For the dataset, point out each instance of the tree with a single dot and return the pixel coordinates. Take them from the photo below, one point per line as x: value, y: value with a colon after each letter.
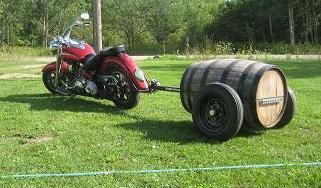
x: 164, y: 25
x: 197, y: 16
x: 164, y: 18
x: 127, y: 18
x: 260, y: 21
x: 11, y: 24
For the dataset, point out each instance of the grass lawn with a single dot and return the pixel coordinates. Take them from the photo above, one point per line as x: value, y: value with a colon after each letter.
x: 43, y: 133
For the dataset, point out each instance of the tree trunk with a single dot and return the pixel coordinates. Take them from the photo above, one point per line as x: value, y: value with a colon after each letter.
x: 164, y: 48
x: 43, y: 31
x: 291, y: 24
x: 306, y: 32
x: 2, y: 33
x: 97, y: 34
x: 271, y: 28
x: 128, y: 39
x: 47, y: 25
x: 309, y: 30
x: 8, y: 37
x: 132, y: 31
x: 44, y: 23
x: 315, y: 22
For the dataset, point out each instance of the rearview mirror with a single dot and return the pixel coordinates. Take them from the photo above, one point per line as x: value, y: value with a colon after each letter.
x: 84, y: 16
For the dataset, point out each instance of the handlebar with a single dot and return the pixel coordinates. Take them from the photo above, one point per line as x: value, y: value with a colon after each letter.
x: 64, y: 38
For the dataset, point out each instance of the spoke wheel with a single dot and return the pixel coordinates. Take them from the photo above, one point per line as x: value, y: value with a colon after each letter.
x: 126, y: 96
x: 48, y: 79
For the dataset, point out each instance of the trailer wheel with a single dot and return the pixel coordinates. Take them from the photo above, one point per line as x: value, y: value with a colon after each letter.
x: 289, y: 111
x: 218, y: 111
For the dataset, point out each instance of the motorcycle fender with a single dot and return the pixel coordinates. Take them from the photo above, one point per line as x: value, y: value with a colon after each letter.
x: 52, y: 67
x: 128, y: 65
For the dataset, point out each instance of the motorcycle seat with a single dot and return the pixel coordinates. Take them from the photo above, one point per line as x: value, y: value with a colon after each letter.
x: 92, y: 60
x: 112, y: 51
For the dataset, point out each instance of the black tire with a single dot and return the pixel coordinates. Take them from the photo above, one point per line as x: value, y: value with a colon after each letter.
x: 48, y: 79
x: 129, y: 95
x: 218, y: 111
x: 289, y: 111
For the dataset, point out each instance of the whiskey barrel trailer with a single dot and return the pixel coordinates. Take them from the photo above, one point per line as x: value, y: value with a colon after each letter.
x: 225, y: 94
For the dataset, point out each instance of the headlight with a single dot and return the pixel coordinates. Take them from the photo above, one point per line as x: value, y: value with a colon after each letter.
x: 139, y: 74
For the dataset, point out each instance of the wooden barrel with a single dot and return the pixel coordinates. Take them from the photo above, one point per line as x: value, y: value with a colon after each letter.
x: 262, y: 87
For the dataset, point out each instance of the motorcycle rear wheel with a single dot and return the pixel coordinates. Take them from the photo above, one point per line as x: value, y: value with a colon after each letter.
x: 127, y: 95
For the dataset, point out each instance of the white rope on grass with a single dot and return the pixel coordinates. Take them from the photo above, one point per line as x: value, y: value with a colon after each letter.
x: 79, y: 174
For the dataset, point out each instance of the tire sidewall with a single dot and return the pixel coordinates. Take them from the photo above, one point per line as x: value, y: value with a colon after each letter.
x: 46, y: 81
x: 233, y: 109
x: 134, y: 94
x: 289, y: 111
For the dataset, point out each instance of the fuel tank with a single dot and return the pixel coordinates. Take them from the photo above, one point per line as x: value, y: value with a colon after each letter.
x: 76, y: 51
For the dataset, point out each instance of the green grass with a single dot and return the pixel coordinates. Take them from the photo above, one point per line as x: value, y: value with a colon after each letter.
x: 91, y: 135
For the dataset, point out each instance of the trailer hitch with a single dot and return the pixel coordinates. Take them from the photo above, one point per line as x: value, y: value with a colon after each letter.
x: 156, y: 86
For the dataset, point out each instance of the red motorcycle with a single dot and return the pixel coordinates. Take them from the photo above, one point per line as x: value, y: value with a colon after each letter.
x: 112, y: 74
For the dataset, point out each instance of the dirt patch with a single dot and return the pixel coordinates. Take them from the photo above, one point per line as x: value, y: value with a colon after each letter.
x: 30, y: 139
x: 18, y: 76
x: 39, y: 139
x: 33, y: 66
x: 44, y: 59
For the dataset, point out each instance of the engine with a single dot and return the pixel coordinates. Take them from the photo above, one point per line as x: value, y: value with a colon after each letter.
x: 83, y: 86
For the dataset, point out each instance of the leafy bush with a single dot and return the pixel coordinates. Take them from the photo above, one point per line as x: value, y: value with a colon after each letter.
x: 225, y: 48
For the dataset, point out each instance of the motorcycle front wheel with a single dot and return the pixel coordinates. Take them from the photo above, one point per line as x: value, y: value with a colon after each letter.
x: 126, y: 95
x: 48, y: 79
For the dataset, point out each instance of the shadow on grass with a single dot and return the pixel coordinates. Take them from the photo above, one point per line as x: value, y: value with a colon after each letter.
x: 248, y: 132
x: 167, y: 131
x: 59, y: 103
x: 182, y: 132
